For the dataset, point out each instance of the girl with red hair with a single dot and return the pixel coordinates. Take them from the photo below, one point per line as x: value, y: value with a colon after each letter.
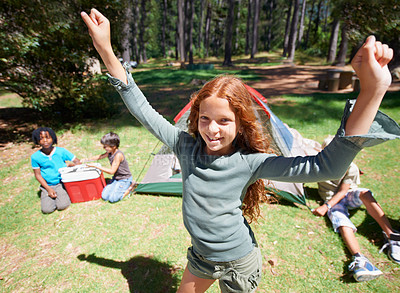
x: 224, y: 156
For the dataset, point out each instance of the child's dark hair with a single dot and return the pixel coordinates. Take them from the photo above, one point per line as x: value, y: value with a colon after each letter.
x: 111, y: 139
x: 36, y: 134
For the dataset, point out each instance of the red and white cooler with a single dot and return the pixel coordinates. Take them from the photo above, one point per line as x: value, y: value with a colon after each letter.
x: 82, y: 183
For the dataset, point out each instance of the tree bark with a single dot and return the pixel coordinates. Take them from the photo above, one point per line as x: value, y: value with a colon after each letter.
x: 164, y: 25
x: 142, y: 29
x: 201, y: 21
x: 181, y: 30
x: 287, y: 27
x: 293, y: 30
x: 228, y: 33
x: 309, y: 25
x: 317, y: 19
x: 237, y: 27
x: 301, y: 28
x: 126, y: 33
x: 333, y: 41
x: 207, y: 29
x: 255, y: 28
x: 135, y: 32
x: 248, y: 27
x: 269, y: 16
x: 191, y: 16
x: 341, y: 57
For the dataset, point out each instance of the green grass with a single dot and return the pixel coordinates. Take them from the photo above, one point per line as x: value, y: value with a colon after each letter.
x: 139, y: 244
x: 9, y: 100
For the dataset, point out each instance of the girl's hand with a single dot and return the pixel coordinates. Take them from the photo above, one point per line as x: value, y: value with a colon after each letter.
x: 370, y: 65
x: 99, y: 30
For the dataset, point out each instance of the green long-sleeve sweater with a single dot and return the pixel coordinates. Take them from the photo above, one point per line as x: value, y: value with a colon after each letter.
x: 214, y: 186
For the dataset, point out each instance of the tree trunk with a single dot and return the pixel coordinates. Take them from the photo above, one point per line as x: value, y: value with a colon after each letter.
x: 270, y: 11
x: 287, y: 26
x: 135, y: 32
x: 181, y: 30
x: 186, y: 28
x: 207, y: 29
x: 191, y: 16
x: 317, y: 19
x: 237, y: 27
x: 341, y: 57
x: 333, y: 41
x: 228, y: 33
x: 201, y: 21
x: 255, y: 28
x: 293, y: 30
x: 248, y: 27
x: 142, y: 29
x: 309, y: 25
x: 301, y: 28
x: 126, y: 33
x: 164, y: 25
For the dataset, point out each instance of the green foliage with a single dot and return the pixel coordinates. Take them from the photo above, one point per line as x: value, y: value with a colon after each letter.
x: 45, y: 58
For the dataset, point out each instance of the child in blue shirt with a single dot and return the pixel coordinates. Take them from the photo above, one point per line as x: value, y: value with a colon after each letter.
x: 45, y: 163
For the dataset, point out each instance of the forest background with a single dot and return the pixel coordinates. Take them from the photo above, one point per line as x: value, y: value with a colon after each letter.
x: 46, y: 54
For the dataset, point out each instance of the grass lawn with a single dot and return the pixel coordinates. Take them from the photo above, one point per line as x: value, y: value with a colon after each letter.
x: 139, y: 244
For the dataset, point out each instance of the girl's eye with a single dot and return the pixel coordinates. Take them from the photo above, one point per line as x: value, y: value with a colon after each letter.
x: 203, y: 118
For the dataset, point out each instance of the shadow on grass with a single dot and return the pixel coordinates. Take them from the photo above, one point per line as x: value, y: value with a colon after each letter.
x: 143, y: 273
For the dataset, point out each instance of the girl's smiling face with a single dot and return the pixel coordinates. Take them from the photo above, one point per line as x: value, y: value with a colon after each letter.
x: 218, y: 125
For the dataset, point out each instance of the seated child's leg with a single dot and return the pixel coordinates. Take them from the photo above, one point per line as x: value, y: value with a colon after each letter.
x: 62, y: 201
x: 375, y: 210
x: 339, y: 216
x: 114, y: 191
x: 120, y: 187
x: 108, y: 189
x: 48, y: 204
x: 349, y: 238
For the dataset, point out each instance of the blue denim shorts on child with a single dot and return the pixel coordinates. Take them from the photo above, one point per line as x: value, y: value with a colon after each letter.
x: 114, y: 191
x: 339, y: 214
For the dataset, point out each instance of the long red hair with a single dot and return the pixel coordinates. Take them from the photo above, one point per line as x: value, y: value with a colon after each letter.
x: 250, y: 137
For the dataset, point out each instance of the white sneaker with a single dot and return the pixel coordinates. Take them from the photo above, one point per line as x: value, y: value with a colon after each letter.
x: 393, y: 244
x: 363, y: 269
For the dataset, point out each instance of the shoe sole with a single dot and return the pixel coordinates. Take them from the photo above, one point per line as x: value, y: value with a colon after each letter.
x: 393, y: 259
x: 367, y: 277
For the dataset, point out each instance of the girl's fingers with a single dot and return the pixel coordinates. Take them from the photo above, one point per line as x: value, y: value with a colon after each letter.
x: 86, y: 19
x: 93, y: 18
x: 378, y: 50
x: 387, y: 55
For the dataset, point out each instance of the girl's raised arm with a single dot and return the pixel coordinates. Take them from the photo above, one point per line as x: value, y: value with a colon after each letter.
x: 99, y: 30
x: 370, y: 65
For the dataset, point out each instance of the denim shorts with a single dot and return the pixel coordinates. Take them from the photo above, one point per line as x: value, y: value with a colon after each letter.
x: 339, y: 214
x: 241, y: 275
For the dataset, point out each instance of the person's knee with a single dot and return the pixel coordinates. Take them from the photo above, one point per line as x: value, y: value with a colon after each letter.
x: 48, y: 209
x: 366, y: 195
x: 63, y: 206
x: 115, y: 197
